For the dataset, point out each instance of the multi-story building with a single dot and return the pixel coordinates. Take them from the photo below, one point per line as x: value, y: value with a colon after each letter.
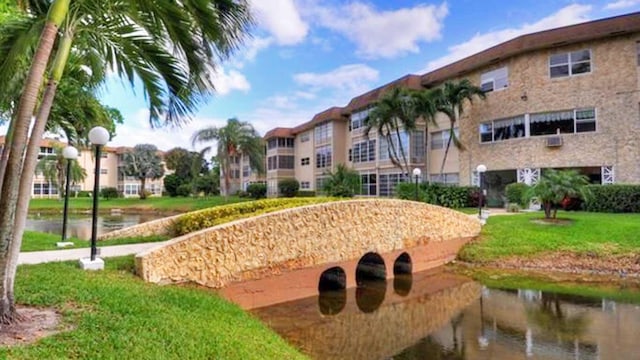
x: 110, y: 174
x: 562, y: 98
x: 241, y: 175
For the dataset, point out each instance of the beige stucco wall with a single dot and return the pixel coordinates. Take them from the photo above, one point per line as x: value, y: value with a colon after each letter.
x: 611, y: 87
x: 300, y: 238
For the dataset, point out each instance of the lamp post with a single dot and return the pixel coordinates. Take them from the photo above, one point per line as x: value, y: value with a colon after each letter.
x: 98, y: 136
x: 69, y: 153
x: 416, y: 175
x: 480, y: 169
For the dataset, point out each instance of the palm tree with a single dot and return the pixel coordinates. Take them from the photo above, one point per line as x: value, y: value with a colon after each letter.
x: 427, y: 103
x: 393, y: 113
x: 452, y: 105
x: 343, y: 182
x: 170, y: 46
x: 554, y: 186
x: 234, y: 139
x: 54, y: 169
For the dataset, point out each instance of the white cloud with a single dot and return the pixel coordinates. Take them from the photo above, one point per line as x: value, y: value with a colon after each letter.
x: 351, y: 79
x: 250, y: 50
x: 621, y: 4
x: 225, y: 82
x: 568, y: 15
x: 382, y: 34
x: 281, y: 19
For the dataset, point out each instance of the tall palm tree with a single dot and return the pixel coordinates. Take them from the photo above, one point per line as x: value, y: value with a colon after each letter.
x: 234, y: 139
x: 454, y: 96
x: 393, y: 113
x: 427, y: 104
x: 171, y: 47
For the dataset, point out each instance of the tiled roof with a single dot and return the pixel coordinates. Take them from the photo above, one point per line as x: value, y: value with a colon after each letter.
x: 615, y: 26
x: 278, y: 132
x: 334, y: 113
x: 359, y: 102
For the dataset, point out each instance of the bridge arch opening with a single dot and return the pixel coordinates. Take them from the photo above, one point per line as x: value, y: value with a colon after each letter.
x: 370, y: 268
x: 332, y: 287
x: 332, y: 279
x: 402, y: 265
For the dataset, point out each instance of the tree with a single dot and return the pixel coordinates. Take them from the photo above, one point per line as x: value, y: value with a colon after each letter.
x: 54, y: 169
x: 143, y: 162
x: 393, y: 114
x: 234, y: 139
x: 169, y: 46
x: 343, y: 182
x: 555, y: 186
x: 452, y: 104
x: 186, y: 164
x: 288, y: 187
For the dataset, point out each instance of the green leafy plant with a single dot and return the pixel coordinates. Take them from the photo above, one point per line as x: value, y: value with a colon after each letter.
x: 171, y: 184
x: 515, y: 193
x: 613, y: 198
x: 184, y: 190
x: 257, y: 191
x: 556, y: 186
x: 288, y: 187
x: 344, y: 182
x: 109, y: 193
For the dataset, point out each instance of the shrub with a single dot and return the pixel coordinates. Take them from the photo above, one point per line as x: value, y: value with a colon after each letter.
x: 613, y: 198
x: 515, y: 193
x: 554, y: 187
x: 84, y: 194
x: 344, y: 182
x: 206, y: 184
x: 257, y: 191
x: 171, y: 184
x: 288, y: 187
x: 439, y: 194
x: 306, y: 193
x: 206, y: 218
x: 109, y: 193
x: 183, y: 190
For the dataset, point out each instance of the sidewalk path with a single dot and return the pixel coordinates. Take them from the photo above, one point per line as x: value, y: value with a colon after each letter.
x: 38, y: 257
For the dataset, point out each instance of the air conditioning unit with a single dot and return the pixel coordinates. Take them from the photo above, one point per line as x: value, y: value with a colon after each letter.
x: 554, y: 141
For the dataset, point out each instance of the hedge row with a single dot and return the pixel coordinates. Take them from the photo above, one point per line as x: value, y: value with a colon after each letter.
x: 439, y: 194
x: 613, y: 198
x: 206, y: 218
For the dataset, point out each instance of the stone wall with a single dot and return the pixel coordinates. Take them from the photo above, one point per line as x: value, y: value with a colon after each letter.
x: 611, y: 88
x: 300, y: 238
x: 149, y: 228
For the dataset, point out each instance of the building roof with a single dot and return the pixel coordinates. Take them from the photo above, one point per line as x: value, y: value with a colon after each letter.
x: 334, y: 113
x: 278, y: 132
x: 359, y: 102
x: 592, y: 30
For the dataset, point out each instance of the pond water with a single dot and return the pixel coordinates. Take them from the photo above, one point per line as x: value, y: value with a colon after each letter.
x: 438, y: 315
x: 79, y: 225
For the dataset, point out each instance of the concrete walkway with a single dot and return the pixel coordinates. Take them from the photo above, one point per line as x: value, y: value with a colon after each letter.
x: 38, y: 257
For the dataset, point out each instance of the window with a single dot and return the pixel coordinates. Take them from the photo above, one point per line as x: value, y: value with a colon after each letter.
x: 497, y: 79
x: 417, y: 147
x: 246, y: 171
x: 384, y: 145
x: 286, y: 162
x: 44, y: 150
x: 305, y: 161
x: 351, y: 152
x: 272, y: 162
x: 388, y: 183
x: 358, y: 119
x: 285, y: 142
x: 449, y: 178
x: 304, y: 137
x: 104, y: 171
x: 569, y: 64
x: 364, y: 151
x: 320, y: 181
x: 509, y: 128
x: 369, y: 184
x: 439, y: 139
x: 305, y: 185
x: 563, y: 122
x: 322, y: 133
x: 323, y: 156
x: 131, y: 189
x: 272, y: 144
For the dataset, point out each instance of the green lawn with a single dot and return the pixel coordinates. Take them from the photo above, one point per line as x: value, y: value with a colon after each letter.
x: 116, y: 315
x: 37, y: 241
x: 597, y: 233
x: 169, y: 204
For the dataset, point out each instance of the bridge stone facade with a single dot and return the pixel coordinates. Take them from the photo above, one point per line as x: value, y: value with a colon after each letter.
x: 315, y: 236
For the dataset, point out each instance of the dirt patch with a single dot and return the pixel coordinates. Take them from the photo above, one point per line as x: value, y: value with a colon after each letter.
x: 559, y: 222
x: 588, y: 263
x: 34, y: 325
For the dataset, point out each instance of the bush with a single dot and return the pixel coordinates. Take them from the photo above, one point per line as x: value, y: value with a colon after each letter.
x: 171, y: 184
x: 183, y: 190
x: 109, y: 193
x: 288, y: 187
x: 344, y: 182
x: 257, y: 191
x: 206, y: 218
x: 84, y: 194
x: 613, y: 198
x: 515, y: 193
x: 206, y: 184
x: 306, y: 193
x: 439, y: 194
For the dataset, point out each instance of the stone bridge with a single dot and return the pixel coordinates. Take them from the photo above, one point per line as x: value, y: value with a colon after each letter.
x: 384, y: 236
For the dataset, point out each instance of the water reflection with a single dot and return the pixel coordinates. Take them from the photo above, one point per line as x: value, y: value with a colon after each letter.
x: 370, y: 294
x: 444, y: 316
x: 79, y: 225
x: 402, y: 284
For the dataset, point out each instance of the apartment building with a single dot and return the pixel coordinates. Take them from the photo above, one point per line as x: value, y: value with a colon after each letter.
x: 241, y: 175
x: 110, y: 174
x: 562, y: 98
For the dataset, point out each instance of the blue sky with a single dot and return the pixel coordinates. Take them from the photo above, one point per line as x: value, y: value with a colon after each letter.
x: 308, y: 55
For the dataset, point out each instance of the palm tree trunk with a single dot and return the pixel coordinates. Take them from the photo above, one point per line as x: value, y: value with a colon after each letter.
x: 446, y: 151
x: 9, y: 194
x: 5, y: 152
x: 393, y: 154
x: 402, y: 152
